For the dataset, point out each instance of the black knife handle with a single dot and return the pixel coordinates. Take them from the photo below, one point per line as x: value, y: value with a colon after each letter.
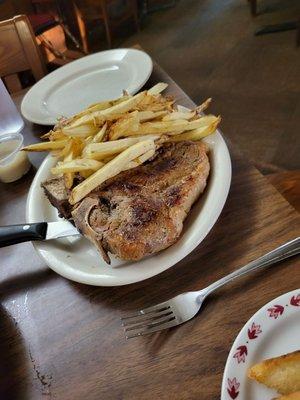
x: 13, y: 234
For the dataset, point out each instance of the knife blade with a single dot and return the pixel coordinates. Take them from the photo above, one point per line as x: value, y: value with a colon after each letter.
x: 60, y: 229
x: 14, y: 234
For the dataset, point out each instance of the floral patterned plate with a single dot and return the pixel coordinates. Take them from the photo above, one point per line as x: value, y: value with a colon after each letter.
x: 271, y: 332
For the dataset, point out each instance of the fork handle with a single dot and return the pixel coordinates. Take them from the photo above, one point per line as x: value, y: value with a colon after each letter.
x: 282, y: 252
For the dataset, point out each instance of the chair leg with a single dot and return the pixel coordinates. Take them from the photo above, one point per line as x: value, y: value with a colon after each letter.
x: 253, y: 7
x: 82, y: 30
x: 134, y: 9
x: 106, y: 23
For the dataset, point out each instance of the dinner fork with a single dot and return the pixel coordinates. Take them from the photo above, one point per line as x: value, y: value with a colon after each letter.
x: 185, y: 306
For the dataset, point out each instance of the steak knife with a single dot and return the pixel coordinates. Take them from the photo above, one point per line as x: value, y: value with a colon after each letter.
x: 14, y: 234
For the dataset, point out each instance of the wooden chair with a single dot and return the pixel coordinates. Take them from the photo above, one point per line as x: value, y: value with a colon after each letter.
x: 253, y: 7
x: 18, y: 52
x: 91, y: 11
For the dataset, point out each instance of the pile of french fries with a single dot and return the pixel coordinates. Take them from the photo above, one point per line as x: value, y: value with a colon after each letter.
x: 113, y: 136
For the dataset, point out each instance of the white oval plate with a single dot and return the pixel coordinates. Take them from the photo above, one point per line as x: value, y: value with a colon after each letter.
x: 271, y: 332
x: 77, y: 259
x: 90, y: 79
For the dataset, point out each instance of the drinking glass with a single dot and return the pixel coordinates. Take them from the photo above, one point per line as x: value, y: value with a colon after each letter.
x: 10, y: 119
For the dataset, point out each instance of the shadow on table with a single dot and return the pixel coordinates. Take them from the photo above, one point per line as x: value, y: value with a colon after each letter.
x: 25, y: 282
x: 13, y: 360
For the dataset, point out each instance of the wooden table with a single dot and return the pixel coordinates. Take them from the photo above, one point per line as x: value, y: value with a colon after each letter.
x: 63, y: 340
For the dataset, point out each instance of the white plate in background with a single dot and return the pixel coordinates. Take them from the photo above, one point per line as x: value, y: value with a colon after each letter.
x: 77, y: 259
x: 73, y: 87
x: 271, y: 332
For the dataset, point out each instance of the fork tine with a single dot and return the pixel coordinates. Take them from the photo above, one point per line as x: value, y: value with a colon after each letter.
x: 160, y: 327
x: 150, y: 322
x: 145, y: 317
x: 158, y: 307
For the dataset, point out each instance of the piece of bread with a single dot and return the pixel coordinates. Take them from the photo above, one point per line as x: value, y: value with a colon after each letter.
x: 292, y: 396
x: 280, y: 373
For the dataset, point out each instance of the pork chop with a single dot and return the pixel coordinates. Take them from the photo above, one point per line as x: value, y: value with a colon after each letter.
x: 141, y: 211
x: 58, y: 195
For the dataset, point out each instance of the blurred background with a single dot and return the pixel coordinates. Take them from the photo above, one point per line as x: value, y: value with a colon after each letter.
x: 243, y: 54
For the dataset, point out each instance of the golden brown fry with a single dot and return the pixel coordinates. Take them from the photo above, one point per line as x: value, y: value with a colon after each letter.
x: 140, y: 160
x: 155, y: 103
x: 66, y: 150
x: 82, y: 131
x: 148, y: 115
x: 69, y: 177
x: 120, y: 108
x: 97, y: 107
x: 87, y: 173
x: 112, y: 168
x: 157, y: 89
x: 46, y: 146
x: 203, y: 106
x: 128, y: 123
x: 54, y: 135
x: 77, y: 147
x: 78, y: 165
x: 196, y: 134
x: 175, y: 115
x: 100, y: 151
x: 100, y: 135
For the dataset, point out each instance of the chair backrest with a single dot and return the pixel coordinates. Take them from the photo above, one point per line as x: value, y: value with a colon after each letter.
x: 19, y: 52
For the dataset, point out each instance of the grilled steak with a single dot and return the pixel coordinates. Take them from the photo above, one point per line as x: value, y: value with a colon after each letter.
x: 141, y: 211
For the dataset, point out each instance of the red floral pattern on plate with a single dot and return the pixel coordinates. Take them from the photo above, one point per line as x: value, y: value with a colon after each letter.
x: 254, y: 331
x: 232, y: 388
x: 295, y: 300
x: 241, y: 354
x: 275, y: 311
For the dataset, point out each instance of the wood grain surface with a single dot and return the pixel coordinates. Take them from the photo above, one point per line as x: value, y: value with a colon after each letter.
x: 63, y: 340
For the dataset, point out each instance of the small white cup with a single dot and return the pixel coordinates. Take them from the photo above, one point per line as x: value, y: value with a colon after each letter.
x: 13, y: 162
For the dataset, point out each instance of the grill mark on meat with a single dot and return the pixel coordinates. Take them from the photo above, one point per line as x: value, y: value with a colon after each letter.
x: 173, y: 196
x: 142, y: 214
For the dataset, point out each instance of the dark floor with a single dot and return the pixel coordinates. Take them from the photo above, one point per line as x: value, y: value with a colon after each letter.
x: 209, y: 48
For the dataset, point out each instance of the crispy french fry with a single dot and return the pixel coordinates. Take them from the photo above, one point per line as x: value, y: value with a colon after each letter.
x: 100, y: 135
x: 103, y: 105
x: 46, y: 146
x: 81, y: 131
x: 140, y: 160
x: 148, y: 115
x: 69, y: 176
x: 111, y: 169
x: 100, y: 151
x: 203, y: 106
x: 128, y: 123
x: 77, y: 147
x: 66, y: 150
x: 197, y: 134
x: 155, y: 104
x: 69, y: 179
x: 78, y: 165
x: 175, y: 115
x: 115, y: 110
x: 54, y: 135
x: 87, y: 173
x: 158, y: 88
